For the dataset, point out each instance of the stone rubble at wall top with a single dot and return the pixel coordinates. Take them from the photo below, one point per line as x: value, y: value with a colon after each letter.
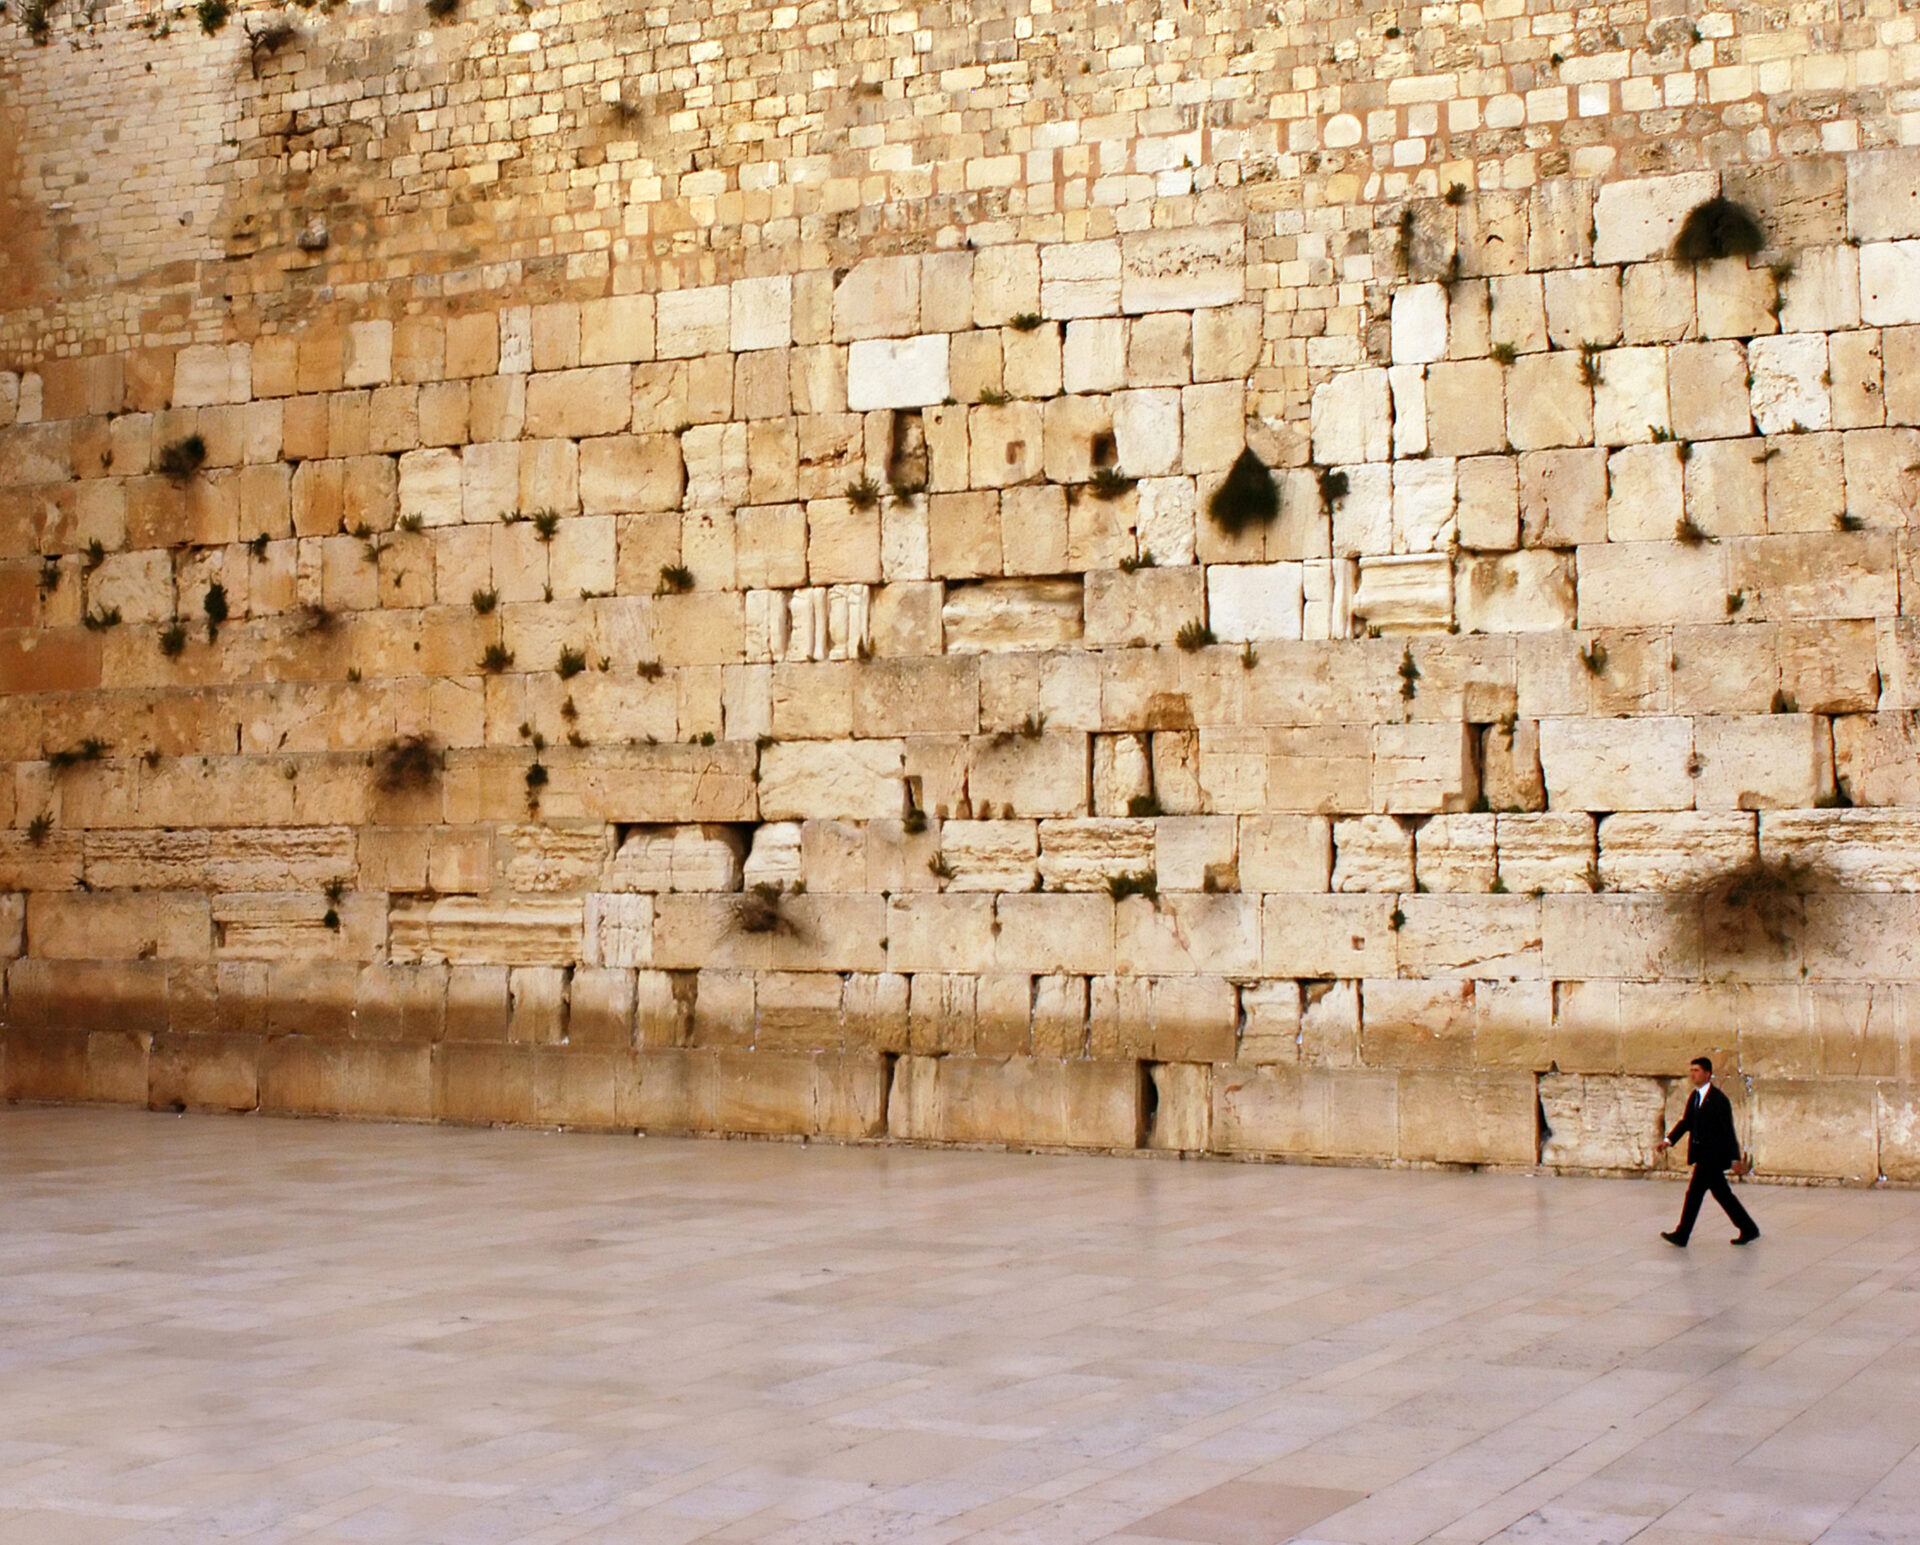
x: 844, y: 609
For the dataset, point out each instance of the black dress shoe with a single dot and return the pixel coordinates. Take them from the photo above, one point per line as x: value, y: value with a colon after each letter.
x: 1674, y: 1239
x: 1747, y: 1238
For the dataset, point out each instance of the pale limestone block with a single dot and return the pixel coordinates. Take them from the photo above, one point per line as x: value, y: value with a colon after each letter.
x: 677, y: 858
x: 583, y: 556
x: 1673, y: 850
x: 1006, y: 284
x: 1405, y: 594
x: 1073, y: 428
x: 368, y: 357
x: 489, y: 481
x: 1517, y: 312
x: 1656, y: 303
x: 1084, y: 855
x: 1248, y: 601
x: 1617, y: 764
x: 1806, y: 486
x: 1081, y: 279
x: 990, y: 855
x: 1762, y: 761
x: 1548, y: 404
x: 828, y: 780
x: 1328, y: 936
x: 1825, y: 1128
x: 1491, y: 938
x: 1859, y: 400
x: 1882, y: 475
x: 1467, y: 321
x: 1310, y: 1112
x: 1182, y: 269
x: 1177, y: 783
x: 1408, y: 384
x: 1731, y: 300
x: 1560, y: 223
x: 946, y: 292
x: 879, y: 298
x: 1650, y: 584
x: 1883, y: 195
x: 1511, y: 775
x: 1213, y: 426
x: 1122, y: 772
x: 471, y: 930
x: 1583, y: 307
x: 1829, y: 667
x: 1645, y: 497
x: 715, y: 461
x: 1327, y: 586
x: 1424, y: 494
x: 974, y: 365
x: 1353, y: 419
x: 622, y: 474
x: 1814, y: 574
x: 616, y: 328
x: 1630, y: 399
x: 1521, y: 592
x: 1466, y: 408
x: 1094, y: 356
x: 1031, y: 361
x: 1890, y: 283
x: 1419, y: 322
x: 1188, y: 934
x: 1166, y: 519
x: 1598, y: 937
x: 1600, y: 1121
x: 1048, y: 775
x: 1546, y: 852
x: 1363, y: 515
x: 904, y: 619
x: 1050, y: 934
x: 1227, y: 342
x: 1847, y: 850
x: 1823, y: 293
x: 1033, y: 528
x: 1372, y: 853
x: 1455, y: 853
x: 1005, y: 444
x: 1789, y: 383
x: 693, y: 322
x: 1286, y: 853
x: 897, y: 372
x: 430, y: 488
x: 1637, y: 220
x: 1563, y: 497
x: 1707, y: 386
x: 1150, y: 605
x: 1147, y: 432
x: 1423, y: 767
x: 1196, y: 853
x: 1039, y: 1102
x: 204, y: 375
x: 564, y: 404
x: 1898, y: 1123
x: 1270, y: 1023
x: 138, y: 586
x: 619, y: 930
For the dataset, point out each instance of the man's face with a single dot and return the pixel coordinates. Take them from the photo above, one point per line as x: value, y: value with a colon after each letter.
x: 1698, y: 1074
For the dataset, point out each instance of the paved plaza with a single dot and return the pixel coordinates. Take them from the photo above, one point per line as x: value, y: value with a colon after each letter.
x: 246, y: 1329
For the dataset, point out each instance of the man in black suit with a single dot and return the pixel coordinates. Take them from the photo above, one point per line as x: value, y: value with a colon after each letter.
x: 1712, y: 1149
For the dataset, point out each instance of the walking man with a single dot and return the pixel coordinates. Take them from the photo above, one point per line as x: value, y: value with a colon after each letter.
x: 1712, y: 1149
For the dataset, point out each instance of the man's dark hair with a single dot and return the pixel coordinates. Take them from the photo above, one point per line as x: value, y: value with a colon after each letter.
x: 1705, y: 1064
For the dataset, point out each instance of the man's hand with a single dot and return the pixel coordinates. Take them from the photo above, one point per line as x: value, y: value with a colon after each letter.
x: 1662, y: 1146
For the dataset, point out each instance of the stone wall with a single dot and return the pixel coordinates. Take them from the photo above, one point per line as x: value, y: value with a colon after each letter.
x: 632, y: 568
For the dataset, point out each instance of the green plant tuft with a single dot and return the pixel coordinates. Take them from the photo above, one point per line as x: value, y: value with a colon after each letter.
x: 213, y: 15
x: 864, y: 494
x: 1194, y: 635
x: 572, y: 662
x: 1247, y: 497
x: 215, y: 607
x: 1025, y: 321
x: 1144, y: 883
x: 407, y: 763
x: 675, y: 579
x: 496, y: 659
x: 180, y: 459
x: 173, y: 639
x: 1717, y: 228
x: 484, y: 601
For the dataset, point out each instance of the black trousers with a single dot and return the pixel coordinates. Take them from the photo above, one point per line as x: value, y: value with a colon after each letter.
x: 1712, y: 1182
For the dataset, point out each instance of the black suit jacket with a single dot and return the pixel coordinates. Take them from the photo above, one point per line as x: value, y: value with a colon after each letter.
x: 1708, y: 1123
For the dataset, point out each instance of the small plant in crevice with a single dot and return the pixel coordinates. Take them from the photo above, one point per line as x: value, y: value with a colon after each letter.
x: 1783, y: 702
x: 546, y: 524
x: 36, y: 16
x: 1247, y: 496
x: 536, y: 780
x: 1033, y: 726
x: 571, y: 663
x: 1249, y: 656
x: 180, y: 459
x: 314, y: 620
x: 1396, y: 920
x: 939, y: 867
x: 762, y: 909
x: 1736, y: 602
x: 1141, y: 883
x: 495, y: 659
x: 173, y: 639
x: 649, y: 670
x: 1592, y: 370
x: 1025, y: 321
x: 407, y: 763
x: 39, y: 829
x: 914, y: 822
x: 864, y: 494
x: 1594, y: 658
x: 257, y: 546
x: 442, y: 10
x: 1846, y: 520
x: 100, y: 621
x: 92, y: 749
x: 1504, y: 353
x: 410, y: 525
x: 906, y: 491
x: 1687, y: 531
x: 1717, y: 228
x: 1333, y: 483
x: 1110, y: 483
x: 214, y: 605
x: 264, y: 42
x: 1144, y: 806
x: 485, y: 601
x: 675, y: 579
x: 1194, y: 635
x: 213, y: 15
x: 1409, y: 673
x: 96, y: 555
x: 1456, y: 194
x: 1145, y: 560
x: 354, y: 675
x: 994, y: 397
x: 49, y: 576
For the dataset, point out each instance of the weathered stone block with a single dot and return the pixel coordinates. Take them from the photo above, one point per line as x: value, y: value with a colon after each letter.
x: 1617, y: 764
x: 1600, y: 1122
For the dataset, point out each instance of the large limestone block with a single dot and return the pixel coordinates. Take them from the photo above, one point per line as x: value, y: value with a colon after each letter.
x: 623, y: 474
x: 618, y: 931
x: 1596, y: 1121
x: 266, y: 926
x: 597, y: 400
x: 1651, y: 584
x: 897, y: 372
x: 1761, y: 761
x: 346, y: 1078
x: 1898, y: 1121
x: 1707, y: 387
x: 1254, y: 601
x: 1006, y: 284
x: 665, y: 783
x: 1672, y: 850
x: 1424, y: 495
x: 1372, y: 853
x: 1880, y: 475
x: 1087, y: 854
x: 1352, y: 419
x: 1790, y: 380
x: 1601, y: 937
x: 1639, y: 220
x: 1630, y: 397
x: 1549, y: 404
x: 1521, y: 592
x: 1827, y: 1128
x: 695, y: 322
x: 118, y: 925
x: 1005, y: 444
x: 1022, y: 1101
x: 472, y: 930
x: 1328, y: 936
x: 1486, y: 938
x: 1190, y: 933
x: 552, y: 856
x: 1617, y: 764
x: 1081, y: 279
x: 1423, y: 767
x: 1094, y: 355
x: 1028, y: 776
x: 1546, y: 852
x: 1883, y: 195
x: 1726, y: 487
x: 1146, y: 607
x: 1890, y: 283
x: 1183, y: 269
x: 990, y: 855
x: 1814, y: 574
x: 1407, y: 593
x: 1305, y: 1112
x: 1563, y: 497
x: 1823, y: 295
x: 203, y: 1072
x: 1455, y: 853
x: 1583, y: 307
x: 1181, y: 1118
x: 833, y: 780
x: 1419, y: 324
x: 1466, y: 408
x: 210, y: 374
x: 879, y: 298
x: 1286, y: 853
x: 1854, y: 850
x: 1012, y: 615
x: 1363, y: 516
x: 1656, y: 302
x: 1319, y: 771
x: 1418, y: 1023
x: 1645, y: 501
